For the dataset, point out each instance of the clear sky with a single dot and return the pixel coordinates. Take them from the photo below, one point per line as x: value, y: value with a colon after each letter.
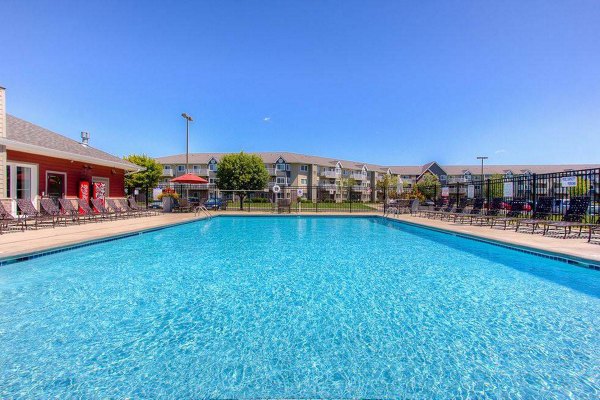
x: 389, y: 82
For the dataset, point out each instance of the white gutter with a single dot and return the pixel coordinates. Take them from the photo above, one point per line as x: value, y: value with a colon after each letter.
x: 44, y: 151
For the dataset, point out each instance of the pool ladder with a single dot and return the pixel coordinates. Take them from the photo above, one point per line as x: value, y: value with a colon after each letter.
x: 203, y: 210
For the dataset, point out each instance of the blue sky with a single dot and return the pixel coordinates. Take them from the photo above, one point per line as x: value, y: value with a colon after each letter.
x: 393, y: 82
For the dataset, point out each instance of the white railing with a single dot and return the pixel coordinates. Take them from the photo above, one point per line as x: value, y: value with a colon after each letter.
x: 358, y: 176
x: 328, y: 186
x: 167, y: 172
x: 199, y: 171
x: 272, y: 171
x: 330, y: 174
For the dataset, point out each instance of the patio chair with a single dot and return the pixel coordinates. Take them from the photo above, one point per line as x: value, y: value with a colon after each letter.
x: 474, y: 212
x: 29, y: 212
x: 493, y: 212
x: 87, y: 211
x: 51, y: 209
x: 543, y: 211
x: 449, y: 208
x: 101, y: 210
x: 283, y: 205
x: 516, y: 211
x: 125, y: 206
x: 69, y: 209
x: 183, y: 205
x: 459, y: 210
x: 135, y: 207
x: 6, y: 219
x: 572, y: 219
x: 414, y: 207
x: 112, y: 205
x: 593, y: 228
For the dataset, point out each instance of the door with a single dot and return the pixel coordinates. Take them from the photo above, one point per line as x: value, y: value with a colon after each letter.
x: 55, y: 184
x: 22, y: 182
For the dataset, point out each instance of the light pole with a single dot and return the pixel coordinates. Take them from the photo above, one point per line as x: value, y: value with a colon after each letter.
x: 482, y: 159
x: 188, y: 119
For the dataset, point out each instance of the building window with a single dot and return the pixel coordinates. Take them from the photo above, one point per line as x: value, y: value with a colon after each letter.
x: 280, y: 167
x: 443, y: 177
x: 196, y: 168
x: 167, y: 167
x: 303, y: 181
x: 281, y: 180
x: 181, y: 168
x: 212, y: 180
x: 304, y: 168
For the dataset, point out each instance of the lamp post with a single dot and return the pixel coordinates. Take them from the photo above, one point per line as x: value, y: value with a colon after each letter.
x: 188, y: 119
x: 482, y: 159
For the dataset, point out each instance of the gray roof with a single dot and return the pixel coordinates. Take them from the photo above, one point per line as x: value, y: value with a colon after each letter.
x: 271, y: 158
x: 410, y: 170
x: 21, y: 131
x: 494, y: 169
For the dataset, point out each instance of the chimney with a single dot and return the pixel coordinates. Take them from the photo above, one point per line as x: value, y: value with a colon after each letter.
x: 3, y: 157
x: 85, y: 138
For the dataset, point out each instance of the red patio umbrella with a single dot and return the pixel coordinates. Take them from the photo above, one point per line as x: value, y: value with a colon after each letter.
x: 189, y: 178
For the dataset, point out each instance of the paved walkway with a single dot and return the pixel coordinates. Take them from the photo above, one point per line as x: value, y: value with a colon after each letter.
x: 571, y: 247
x: 16, y: 243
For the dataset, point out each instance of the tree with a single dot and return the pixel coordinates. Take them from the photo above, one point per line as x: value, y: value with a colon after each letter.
x: 429, y: 186
x: 388, y: 185
x: 496, y: 186
x: 148, y: 178
x: 242, y: 172
x: 583, y: 187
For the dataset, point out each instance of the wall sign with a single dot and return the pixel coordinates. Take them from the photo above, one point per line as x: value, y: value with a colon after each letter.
x: 445, y: 191
x: 471, y: 191
x: 568, y: 181
x: 508, y: 189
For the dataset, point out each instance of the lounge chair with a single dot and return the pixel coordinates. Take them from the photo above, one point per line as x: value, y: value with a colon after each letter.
x: 459, y: 210
x: 593, y: 228
x: 572, y: 219
x: 516, y: 211
x: 493, y: 212
x: 52, y: 210
x: 439, y: 204
x: 119, y: 210
x: 543, y: 211
x: 474, y: 212
x: 29, y: 213
x: 84, y: 211
x: 101, y: 210
x: 144, y: 211
x: 69, y: 209
x: 125, y: 205
x: 6, y: 219
x: 449, y: 208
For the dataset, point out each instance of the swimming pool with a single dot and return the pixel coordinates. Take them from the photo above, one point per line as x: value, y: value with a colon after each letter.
x: 298, y: 307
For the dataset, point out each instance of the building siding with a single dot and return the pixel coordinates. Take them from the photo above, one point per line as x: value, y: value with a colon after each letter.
x: 74, y: 171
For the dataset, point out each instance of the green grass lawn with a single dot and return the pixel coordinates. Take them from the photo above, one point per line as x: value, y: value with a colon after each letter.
x: 344, y: 206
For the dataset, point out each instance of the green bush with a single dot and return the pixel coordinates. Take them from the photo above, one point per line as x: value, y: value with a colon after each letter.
x: 257, y: 200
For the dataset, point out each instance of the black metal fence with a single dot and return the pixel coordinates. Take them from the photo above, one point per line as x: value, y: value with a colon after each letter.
x: 275, y: 198
x: 525, y: 189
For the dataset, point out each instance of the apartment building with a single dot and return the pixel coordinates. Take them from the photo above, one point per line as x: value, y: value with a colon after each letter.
x: 452, y: 176
x: 322, y: 178
x: 311, y: 177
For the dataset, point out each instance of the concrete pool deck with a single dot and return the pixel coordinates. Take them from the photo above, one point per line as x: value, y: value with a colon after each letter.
x: 21, y: 243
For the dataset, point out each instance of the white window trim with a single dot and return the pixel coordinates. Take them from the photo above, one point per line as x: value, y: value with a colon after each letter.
x: 101, y: 179
x: 58, y: 173
x: 35, y: 180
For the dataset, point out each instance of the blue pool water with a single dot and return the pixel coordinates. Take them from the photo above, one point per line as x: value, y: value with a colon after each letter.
x: 298, y: 307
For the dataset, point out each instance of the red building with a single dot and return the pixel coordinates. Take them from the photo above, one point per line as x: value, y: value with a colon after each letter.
x: 36, y: 162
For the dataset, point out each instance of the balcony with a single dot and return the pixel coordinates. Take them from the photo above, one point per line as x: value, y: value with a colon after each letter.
x: 358, y: 176
x: 271, y: 184
x: 330, y: 174
x: 199, y: 171
x: 167, y: 172
x: 328, y: 186
x: 272, y: 171
x: 359, y: 188
x: 457, y: 180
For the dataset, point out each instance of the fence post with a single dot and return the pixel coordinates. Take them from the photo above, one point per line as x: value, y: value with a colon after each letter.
x: 148, y: 194
x: 488, y: 193
x: 534, y: 196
